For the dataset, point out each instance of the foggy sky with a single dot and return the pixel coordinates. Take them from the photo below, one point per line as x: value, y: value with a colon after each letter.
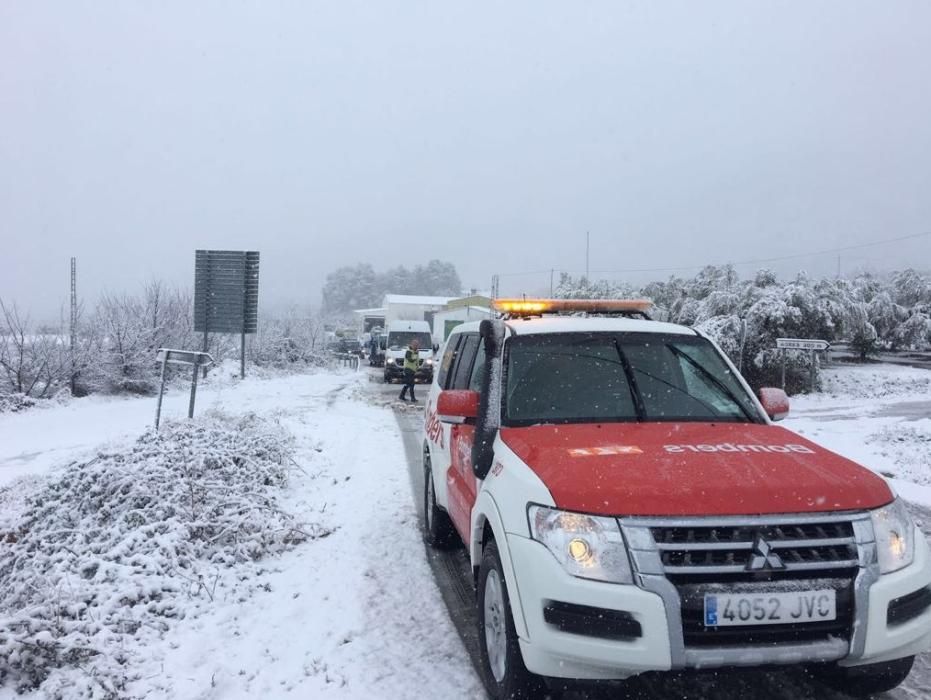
x: 492, y: 135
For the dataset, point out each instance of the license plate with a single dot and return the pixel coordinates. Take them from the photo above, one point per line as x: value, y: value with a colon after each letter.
x: 733, y: 609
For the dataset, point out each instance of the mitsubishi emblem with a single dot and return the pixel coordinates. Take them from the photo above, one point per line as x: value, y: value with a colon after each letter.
x: 763, y: 556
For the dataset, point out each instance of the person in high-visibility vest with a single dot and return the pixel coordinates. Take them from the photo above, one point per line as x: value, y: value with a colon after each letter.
x: 411, y: 364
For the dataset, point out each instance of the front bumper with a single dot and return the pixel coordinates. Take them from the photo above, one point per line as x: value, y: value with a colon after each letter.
x: 885, y: 641
x: 550, y: 651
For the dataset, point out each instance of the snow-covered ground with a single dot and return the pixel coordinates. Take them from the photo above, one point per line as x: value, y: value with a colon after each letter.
x: 877, y: 415
x: 355, y: 614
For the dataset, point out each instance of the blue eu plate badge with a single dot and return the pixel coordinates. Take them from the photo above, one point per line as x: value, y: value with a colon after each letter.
x: 711, y: 611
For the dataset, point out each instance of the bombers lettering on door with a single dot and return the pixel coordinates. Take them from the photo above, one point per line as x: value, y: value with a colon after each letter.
x: 728, y: 447
x: 433, y: 427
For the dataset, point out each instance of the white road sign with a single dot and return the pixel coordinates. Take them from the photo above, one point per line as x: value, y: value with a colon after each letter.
x: 801, y: 344
x: 183, y: 357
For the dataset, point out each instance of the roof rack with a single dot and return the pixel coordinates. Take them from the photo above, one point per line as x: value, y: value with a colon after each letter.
x: 527, y: 308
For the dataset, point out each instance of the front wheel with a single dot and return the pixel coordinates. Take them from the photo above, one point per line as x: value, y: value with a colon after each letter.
x: 864, y: 681
x: 502, y: 666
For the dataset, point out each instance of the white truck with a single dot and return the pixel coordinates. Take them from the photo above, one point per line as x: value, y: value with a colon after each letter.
x: 399, y: 336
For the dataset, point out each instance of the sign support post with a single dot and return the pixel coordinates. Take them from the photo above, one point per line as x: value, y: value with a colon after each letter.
x: 161, y: 392
x: 190, y: 408
x: 811, y: 378
x: 783, y: 369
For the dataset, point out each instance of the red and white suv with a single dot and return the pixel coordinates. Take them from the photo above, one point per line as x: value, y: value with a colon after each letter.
x: 629, y: 506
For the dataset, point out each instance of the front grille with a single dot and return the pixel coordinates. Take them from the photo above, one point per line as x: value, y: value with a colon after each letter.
x: 728, y: 549
x: 769, y: 557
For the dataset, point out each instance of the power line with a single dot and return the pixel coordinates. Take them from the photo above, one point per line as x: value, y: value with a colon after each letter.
x: 755, y: 261
x: 779, y: 258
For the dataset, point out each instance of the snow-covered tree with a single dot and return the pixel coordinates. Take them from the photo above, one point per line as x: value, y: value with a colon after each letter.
x: 352, y: 287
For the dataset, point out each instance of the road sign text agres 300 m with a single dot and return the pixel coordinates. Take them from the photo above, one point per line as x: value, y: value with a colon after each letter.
x: 801, y: 344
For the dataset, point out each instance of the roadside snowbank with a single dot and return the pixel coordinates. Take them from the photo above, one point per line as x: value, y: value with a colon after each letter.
x: 111, y: 552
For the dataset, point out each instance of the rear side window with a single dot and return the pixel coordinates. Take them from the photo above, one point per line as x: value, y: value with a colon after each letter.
x: 475, y: 380
x: 463, y: 372
x: 448, y: 360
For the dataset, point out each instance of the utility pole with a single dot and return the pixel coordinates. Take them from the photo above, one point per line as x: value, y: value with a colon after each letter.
x: 838, y: 267
x: 74, y: 321
x: 587, y: 237
x: 494, y: 287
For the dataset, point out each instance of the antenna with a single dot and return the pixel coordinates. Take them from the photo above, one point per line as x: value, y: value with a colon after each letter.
x: 74, y: 319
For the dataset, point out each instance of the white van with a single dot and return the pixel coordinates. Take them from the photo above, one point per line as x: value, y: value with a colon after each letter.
x: 400, y: 334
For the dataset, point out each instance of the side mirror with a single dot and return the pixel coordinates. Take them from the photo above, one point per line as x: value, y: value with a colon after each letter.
x: 457, y: 405
x: 775, y: 403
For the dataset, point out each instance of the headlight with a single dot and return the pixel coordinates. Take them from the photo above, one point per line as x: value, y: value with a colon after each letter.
x: 428, y: 363
x: 895, y: 536
x: 587, y: 546
x: 389, y: 361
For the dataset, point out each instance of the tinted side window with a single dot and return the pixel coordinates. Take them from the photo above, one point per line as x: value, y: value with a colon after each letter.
x: 448, y: 359
x: 463, y: 370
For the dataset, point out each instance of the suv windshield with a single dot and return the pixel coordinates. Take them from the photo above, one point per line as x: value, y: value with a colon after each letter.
x: 590, y: 377
x: 401, y: 339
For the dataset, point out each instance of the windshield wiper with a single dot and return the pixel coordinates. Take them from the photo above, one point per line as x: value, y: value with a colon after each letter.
x: 639, y: 405
x: 721, y: 386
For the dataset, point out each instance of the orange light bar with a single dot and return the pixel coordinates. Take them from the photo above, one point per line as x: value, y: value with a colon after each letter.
x: 532, y: 307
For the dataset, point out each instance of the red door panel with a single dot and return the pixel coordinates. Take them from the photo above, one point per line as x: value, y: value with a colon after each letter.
x: 461, y: 483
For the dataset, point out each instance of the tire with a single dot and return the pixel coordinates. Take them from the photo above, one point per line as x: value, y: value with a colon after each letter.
x: 438, y: 530
x: 864, y: 681
x: 502, y: 666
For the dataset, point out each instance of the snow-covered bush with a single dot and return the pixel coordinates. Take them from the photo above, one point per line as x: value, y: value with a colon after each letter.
x: 289, y: 339
x: 115, y: 549
x: 15, y: 403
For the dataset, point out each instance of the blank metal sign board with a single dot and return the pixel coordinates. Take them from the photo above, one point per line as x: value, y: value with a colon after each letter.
x: 226, y: 291
x: 801, y: 344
